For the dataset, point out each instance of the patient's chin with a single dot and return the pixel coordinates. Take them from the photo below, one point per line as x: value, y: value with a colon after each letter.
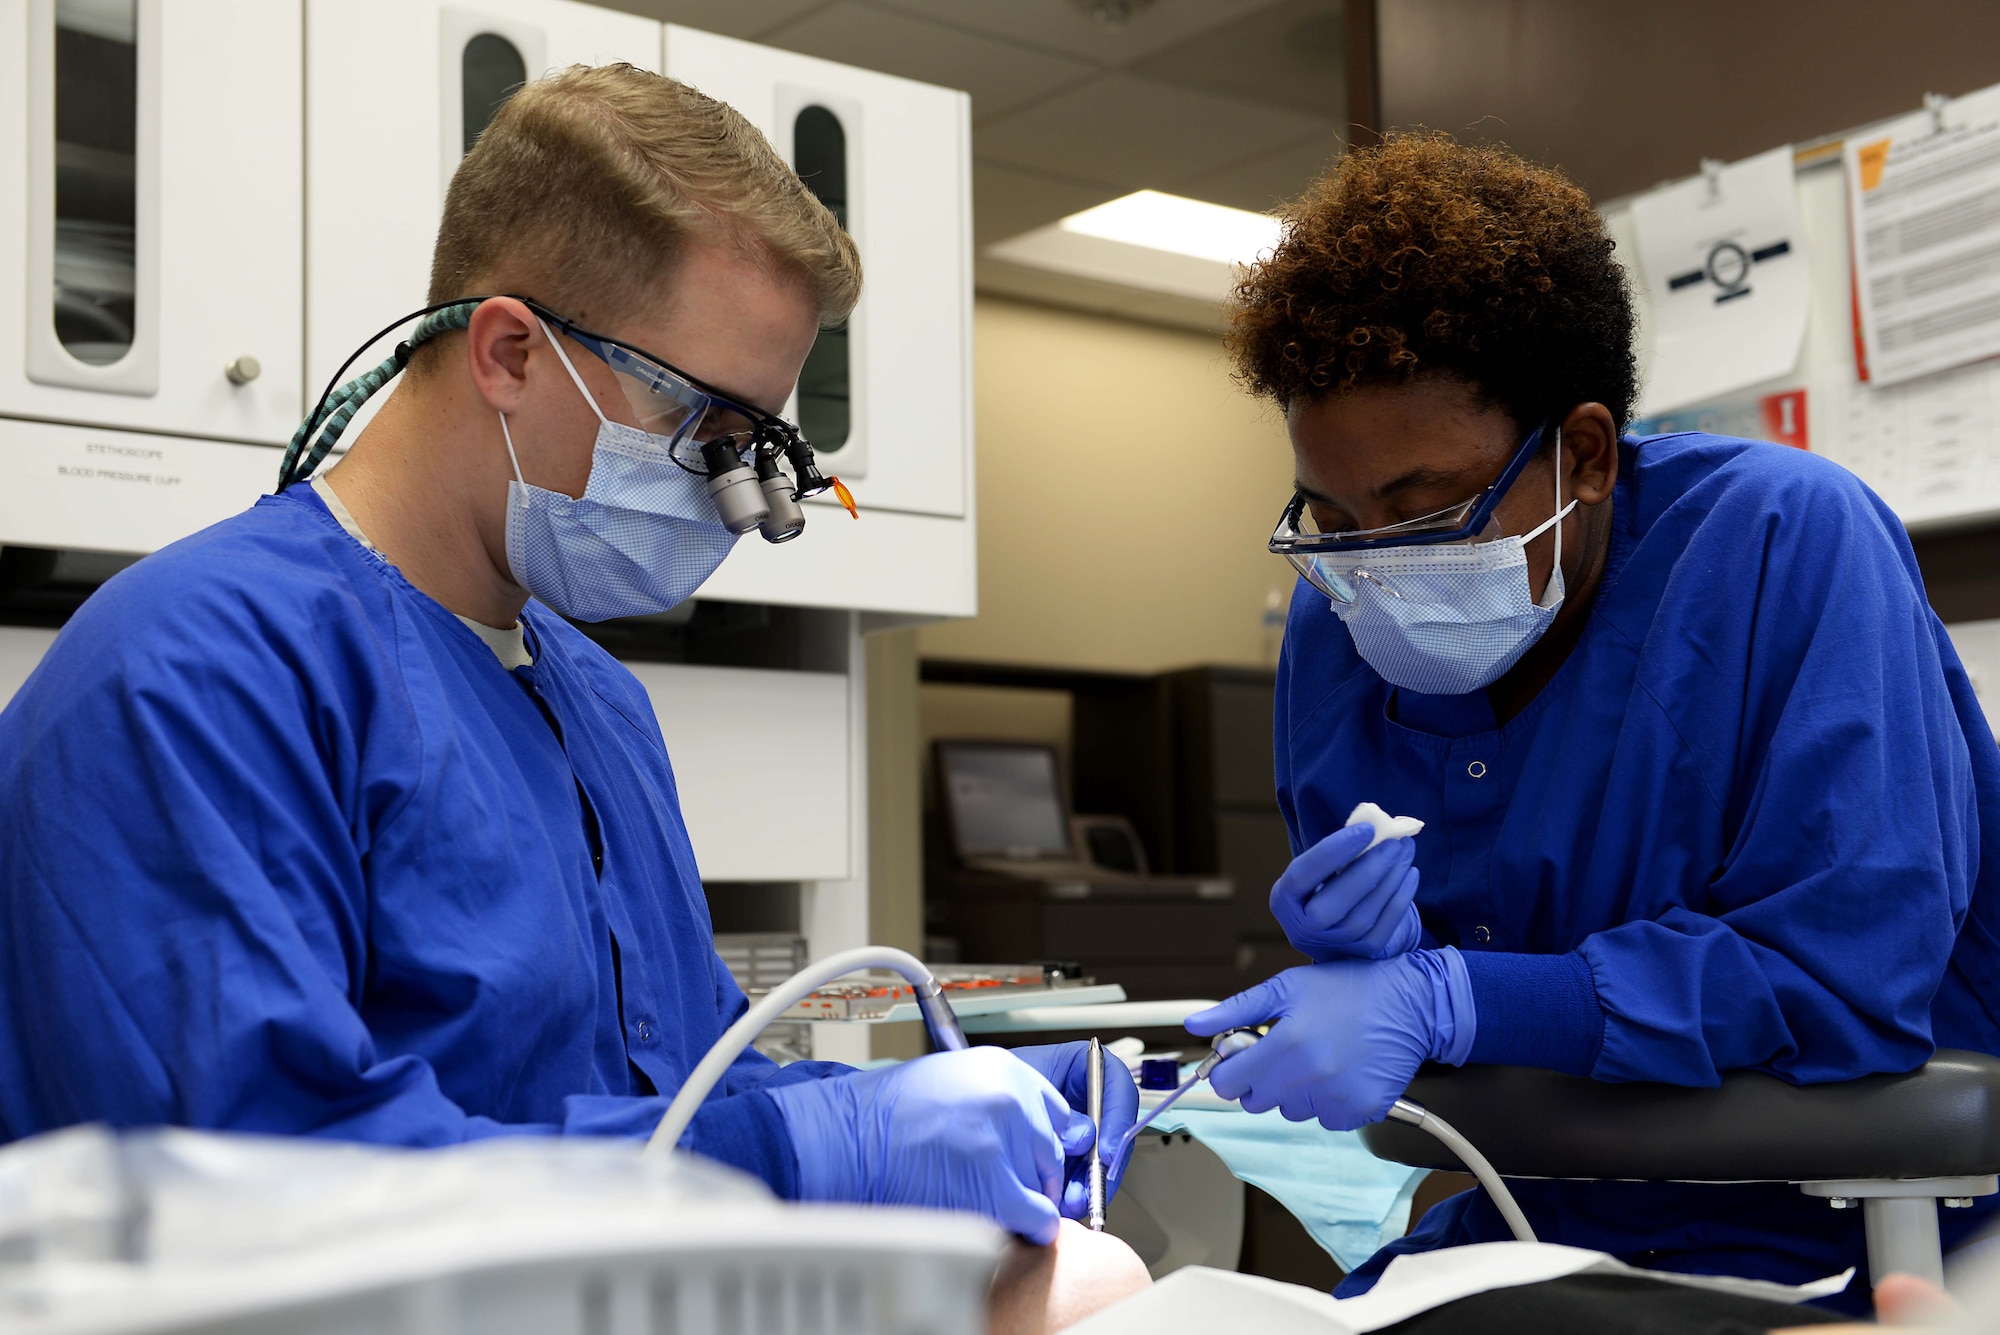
x: 1040, y: 1290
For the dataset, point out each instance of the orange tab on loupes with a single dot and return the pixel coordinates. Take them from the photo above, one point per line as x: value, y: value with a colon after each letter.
x: 846, y: 496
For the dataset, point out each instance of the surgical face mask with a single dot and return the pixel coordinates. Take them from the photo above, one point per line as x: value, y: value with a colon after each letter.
x: 1445, y: 619
x: 643, y: 537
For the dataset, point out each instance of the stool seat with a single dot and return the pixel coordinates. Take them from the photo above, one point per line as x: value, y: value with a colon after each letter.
x: 1941, y: 1120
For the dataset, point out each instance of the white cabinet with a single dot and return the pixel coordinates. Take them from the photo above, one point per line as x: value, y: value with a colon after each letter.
x: 751, y: 819
x: 161, y: 236
x: 897, y: 155
x: 220, y: 199
x: 21, y: 650
x: 386, y: 92
x: 150, y: 259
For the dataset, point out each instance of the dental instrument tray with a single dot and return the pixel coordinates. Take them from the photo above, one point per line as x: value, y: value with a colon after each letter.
x: 871, y: 995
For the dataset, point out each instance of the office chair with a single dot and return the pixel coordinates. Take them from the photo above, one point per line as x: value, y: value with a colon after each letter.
x: 1895, y: 1145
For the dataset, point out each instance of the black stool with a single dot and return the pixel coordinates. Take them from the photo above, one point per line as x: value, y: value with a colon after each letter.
x: 1894, y: 1144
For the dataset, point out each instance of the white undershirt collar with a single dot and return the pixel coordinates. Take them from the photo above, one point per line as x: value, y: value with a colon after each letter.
x: 510, y: 646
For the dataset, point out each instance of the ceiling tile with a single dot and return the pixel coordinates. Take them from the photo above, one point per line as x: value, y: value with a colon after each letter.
x: 1000, y: 75
x: 731, y: 18
x: 1264, y: 183
x: 1061, y: 25
x: 1007, y: 201
x: 1134, y: 133
x: 1291, y: 53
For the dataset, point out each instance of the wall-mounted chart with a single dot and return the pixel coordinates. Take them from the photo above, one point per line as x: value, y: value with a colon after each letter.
x: 1724, y: 277
x: 1923, y: 430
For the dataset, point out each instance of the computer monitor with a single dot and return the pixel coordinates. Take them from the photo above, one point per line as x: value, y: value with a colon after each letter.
x: 1004, y: 799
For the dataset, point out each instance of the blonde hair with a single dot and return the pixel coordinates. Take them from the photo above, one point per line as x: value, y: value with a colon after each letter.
x: 588, y: 184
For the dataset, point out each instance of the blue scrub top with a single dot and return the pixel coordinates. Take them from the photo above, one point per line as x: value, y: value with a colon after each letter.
x: 1751, y: 823
x: 284, y: 848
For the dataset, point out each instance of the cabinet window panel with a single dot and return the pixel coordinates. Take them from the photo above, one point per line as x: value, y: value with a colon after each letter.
x: 819, y: 145
x: 96, y: 201
x: 490, y: 71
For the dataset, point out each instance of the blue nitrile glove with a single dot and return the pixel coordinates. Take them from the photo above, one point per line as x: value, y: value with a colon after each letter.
x: 1067, y: 1067
x: 1335, y: 905
x: 973, y: 1130
x: 1349, y: 1035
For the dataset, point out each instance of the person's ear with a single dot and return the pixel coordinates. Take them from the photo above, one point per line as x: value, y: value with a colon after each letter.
x: 497, y: 343
x: 1590, y: 439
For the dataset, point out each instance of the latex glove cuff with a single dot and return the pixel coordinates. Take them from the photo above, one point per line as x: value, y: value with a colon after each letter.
x: 1455, y: 1018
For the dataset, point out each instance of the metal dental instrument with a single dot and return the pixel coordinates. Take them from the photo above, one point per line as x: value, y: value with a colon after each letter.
x: 1095, y: 1110
x: 1225, y: 1044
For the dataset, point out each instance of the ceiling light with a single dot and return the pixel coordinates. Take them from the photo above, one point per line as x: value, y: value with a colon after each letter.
x: 1182, y: 226
x: 1152, y: 241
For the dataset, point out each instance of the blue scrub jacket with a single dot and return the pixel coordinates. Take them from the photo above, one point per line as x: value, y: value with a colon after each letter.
x: 1753, y: 823
x: 283, y: 848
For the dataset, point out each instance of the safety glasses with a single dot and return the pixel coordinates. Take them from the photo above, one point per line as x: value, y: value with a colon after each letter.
x: 1299, y: 540
x: 1297, y: 534
x: 701, y: 426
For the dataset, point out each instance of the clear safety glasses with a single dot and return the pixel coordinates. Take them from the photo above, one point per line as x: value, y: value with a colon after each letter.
x: 1300, y: 540
x: 703, y: 427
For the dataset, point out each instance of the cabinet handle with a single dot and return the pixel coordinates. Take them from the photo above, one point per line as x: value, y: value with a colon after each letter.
x: 243, y: 370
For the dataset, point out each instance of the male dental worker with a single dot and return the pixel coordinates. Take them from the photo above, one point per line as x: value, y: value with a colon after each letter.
x: 324, y: 821
x: 1704, y: 785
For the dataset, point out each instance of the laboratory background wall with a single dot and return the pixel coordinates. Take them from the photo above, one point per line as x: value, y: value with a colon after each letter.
x: 1127, y: 488
x: 1626, y: 94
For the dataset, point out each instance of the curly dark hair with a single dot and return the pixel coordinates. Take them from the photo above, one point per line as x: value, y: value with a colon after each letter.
x: 1423, y: 256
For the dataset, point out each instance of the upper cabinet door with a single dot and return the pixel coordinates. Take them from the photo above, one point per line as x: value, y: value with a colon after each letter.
x: 396, y: 91
x: 887, y: 400
x: 150, y: 161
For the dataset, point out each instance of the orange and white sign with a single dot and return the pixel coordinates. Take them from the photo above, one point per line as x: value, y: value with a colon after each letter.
x: 1924, y: 204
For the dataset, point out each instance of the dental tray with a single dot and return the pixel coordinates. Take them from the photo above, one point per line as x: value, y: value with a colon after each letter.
x: 869, y: 996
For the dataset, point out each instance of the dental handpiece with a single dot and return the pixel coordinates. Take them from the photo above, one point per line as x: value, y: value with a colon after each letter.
x: 1225, y: 1044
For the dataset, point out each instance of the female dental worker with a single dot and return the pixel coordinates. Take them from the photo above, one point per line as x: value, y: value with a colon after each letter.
x: 325, y: 821
x: 1704, y: 786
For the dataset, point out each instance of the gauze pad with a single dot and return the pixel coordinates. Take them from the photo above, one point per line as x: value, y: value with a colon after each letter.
x: 1386, y: 826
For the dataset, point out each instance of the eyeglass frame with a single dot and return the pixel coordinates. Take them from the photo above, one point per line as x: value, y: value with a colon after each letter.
x: 771, y: 437
x: 1288, y: 542
x: 770, y: 430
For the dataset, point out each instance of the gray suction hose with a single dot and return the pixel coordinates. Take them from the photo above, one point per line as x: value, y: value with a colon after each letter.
x: 1415, y: 1114
x: 946, y: 1036
x: 1232, y: 1041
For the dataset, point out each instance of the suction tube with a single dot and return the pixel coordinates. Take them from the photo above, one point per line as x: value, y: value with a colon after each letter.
x: 946, y: 1036
x: 1232, y: 1041
x: 1415, y: 1114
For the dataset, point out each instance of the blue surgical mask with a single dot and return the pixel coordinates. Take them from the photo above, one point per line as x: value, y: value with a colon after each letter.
x: 1451, y: 618
x: 643, y: 537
